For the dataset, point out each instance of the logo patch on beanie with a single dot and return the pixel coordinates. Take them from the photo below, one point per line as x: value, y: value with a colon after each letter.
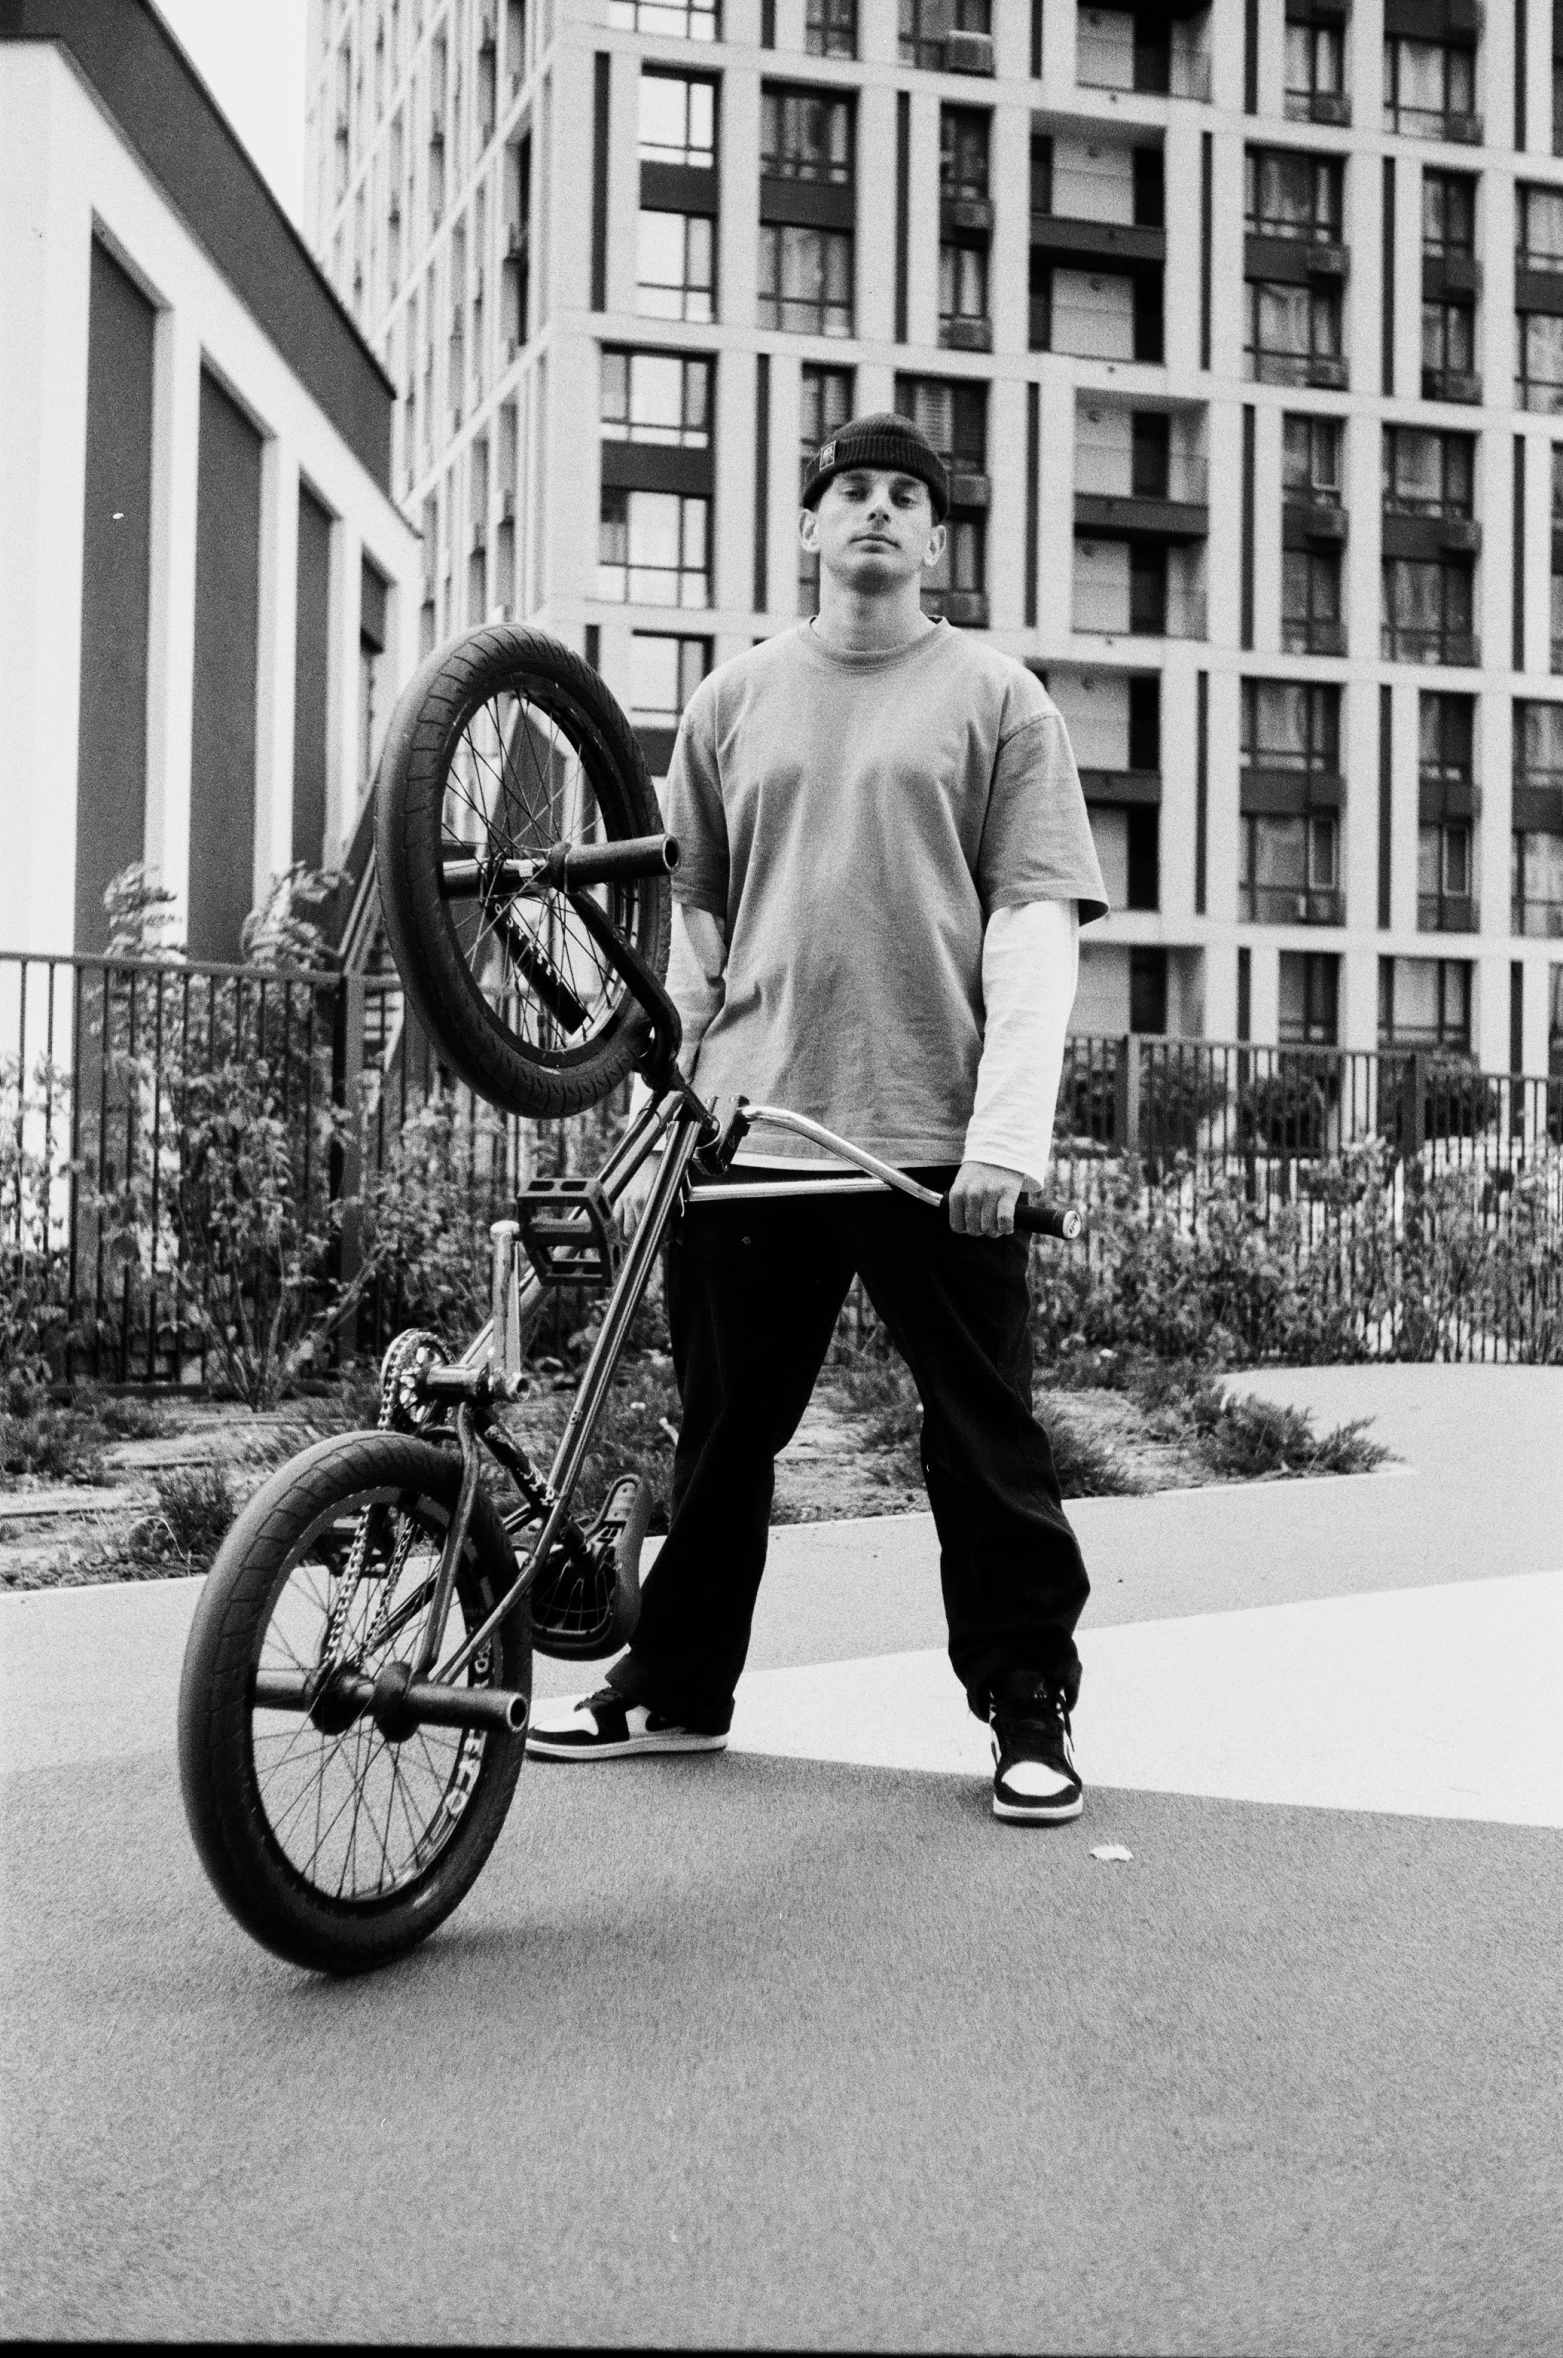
x: 827, y: 457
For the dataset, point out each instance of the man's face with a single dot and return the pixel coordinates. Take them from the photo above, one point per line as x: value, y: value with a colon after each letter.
x: 873, y: 527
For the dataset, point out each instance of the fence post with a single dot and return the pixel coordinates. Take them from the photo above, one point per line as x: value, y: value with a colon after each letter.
x: 1126, y: 1095
x: 1413, y: 1105
x: 347, y: 1158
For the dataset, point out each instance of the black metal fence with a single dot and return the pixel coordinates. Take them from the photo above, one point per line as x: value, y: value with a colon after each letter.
x: 189, y: 1154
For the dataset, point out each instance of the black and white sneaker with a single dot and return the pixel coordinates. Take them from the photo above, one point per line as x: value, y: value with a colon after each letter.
x: 607, y: 1726
x: 1034, y: 1775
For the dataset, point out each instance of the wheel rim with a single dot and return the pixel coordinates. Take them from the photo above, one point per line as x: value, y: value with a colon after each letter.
x: 355, y: 1816
x: 515, y: 784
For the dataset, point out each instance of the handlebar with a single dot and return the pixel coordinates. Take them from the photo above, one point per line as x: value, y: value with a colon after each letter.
x: 1047, y: 1220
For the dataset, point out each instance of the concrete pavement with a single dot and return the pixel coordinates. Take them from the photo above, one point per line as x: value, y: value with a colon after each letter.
x: 796, y: 2046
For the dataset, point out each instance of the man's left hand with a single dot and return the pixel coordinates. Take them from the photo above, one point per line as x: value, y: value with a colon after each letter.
x: 983, y: 1200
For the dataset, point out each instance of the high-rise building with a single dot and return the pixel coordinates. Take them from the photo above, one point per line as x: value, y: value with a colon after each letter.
x: 1240, y: 328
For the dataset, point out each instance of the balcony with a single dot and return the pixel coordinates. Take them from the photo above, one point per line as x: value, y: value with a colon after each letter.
x: 1107, y: 611
x: 962, y: 211
x: 1294, y: 258
x: 1284, y: 904
x: 1105, y: 515
x: 1431, y: 646
x: 960, y: 334
x: 1449, y: 272
x: 1318, y: 106
x: 1325, y: 372
x: 1429, y: 534
x: 1097, y: 245
x: 968, y: 53
x: 968, y: 609
x: 1438, y: 912
x: 1450, y: 384
x: 1108, y: 57
x: 1539, y: 920
x: 1312, y: 637
x: 1122, y: 789
x: 1311, y: 519
x: 1538, y: 802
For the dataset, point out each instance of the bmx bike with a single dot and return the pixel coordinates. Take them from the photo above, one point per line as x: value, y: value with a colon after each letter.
x: 357, y: 1681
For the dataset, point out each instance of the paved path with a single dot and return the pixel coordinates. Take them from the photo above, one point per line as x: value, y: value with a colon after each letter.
x: 797, y: 2047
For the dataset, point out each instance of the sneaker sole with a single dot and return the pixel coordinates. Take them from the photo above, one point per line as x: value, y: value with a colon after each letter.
x: 551, y: 1748
x: 1046, y: 1814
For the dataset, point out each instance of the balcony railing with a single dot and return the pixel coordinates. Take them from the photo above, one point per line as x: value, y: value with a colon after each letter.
x: 1451, y: 384
x: 1543, y: 400
x: 1407, y: 645
x: 1105, y: 612
x: 1317, y: 106
x: 1106, y: 470
x: 1541, y: 920
x: 1440, y: 912
x: 1170, y: 72
x: 1284, y: 904
x: 1312, y: 637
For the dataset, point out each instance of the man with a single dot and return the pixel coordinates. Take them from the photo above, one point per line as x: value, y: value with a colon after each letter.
x: 885, y: 860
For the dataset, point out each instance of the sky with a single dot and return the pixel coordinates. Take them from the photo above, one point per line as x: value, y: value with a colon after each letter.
x: 252, y: 61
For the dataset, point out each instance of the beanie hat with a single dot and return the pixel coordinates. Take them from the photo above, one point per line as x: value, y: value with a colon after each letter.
x: 880, y: 440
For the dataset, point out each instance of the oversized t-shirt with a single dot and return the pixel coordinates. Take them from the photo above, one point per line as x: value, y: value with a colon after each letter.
x: 855, y: 820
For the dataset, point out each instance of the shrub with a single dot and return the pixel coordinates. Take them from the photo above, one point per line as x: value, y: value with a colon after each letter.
x: 58, y: 1443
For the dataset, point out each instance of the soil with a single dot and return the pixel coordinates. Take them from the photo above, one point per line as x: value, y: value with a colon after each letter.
x: 59, y: 1534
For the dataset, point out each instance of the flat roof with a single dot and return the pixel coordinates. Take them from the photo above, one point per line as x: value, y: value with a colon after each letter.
x: 153, y: 92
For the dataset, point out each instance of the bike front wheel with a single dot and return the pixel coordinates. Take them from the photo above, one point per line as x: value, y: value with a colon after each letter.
x: 333, y: 1845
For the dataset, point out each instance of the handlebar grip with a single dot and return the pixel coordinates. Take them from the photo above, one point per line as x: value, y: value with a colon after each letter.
x: 1047, y: 1220
x: 612, y: 863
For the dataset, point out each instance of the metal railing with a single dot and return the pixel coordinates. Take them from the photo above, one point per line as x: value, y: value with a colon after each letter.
x: 154, y: 1118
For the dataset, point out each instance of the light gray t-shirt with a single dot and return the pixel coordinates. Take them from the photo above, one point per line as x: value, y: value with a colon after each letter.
x: 856, y: 819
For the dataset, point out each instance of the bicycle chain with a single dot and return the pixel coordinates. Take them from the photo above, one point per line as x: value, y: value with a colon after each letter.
x: 398, y: 1413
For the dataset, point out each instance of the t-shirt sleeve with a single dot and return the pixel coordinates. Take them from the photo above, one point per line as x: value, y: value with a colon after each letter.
x: 692, y: 807
x: 1036, y: 838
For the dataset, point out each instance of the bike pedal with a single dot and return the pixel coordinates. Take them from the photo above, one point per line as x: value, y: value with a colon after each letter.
x: 568, y: 1232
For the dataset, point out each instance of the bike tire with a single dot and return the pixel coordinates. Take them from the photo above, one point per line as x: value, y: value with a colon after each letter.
x: 503, y: 742
x: 250, y: 1816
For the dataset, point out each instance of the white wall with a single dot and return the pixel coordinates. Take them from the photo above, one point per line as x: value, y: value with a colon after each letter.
x: 65, y: 173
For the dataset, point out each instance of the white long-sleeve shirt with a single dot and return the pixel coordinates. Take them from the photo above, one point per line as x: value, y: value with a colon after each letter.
x: 1030, y: 972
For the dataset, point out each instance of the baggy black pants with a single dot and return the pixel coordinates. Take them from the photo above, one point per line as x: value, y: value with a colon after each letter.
x: 753, y: 1295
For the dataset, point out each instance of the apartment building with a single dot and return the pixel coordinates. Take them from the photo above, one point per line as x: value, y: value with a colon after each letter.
x: 1240, y: 328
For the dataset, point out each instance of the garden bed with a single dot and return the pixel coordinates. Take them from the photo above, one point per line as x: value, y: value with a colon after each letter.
x: 126, y: 1488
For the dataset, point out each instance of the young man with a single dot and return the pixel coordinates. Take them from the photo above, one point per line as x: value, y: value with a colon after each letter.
x: 885, y: 861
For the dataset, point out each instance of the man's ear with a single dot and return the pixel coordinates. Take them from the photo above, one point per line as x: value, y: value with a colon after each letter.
x: 935, y: 549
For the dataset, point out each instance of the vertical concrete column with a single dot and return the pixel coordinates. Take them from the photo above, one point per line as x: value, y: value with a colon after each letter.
x: 1221, y: 822
x: 342, y: 781
x: 1538, y: 553
x: 1179, y: 782
x: 623, y: 179
x: 1227, y: 318
x: 553, y: 212
x: 574, y: 493
x: 738, y: 236
x: 1358, y: 1018
x: 1223, y: 554
x: 1495, y: 103
x: 876, y: 215
x: 1367, y: 377
x: 1538, y: 142
x: 1268, y: 558
x: 732, y: 554
x: 45, y: 277
x: 781, y: 554
x: 1404, y: 809
x: 1009, y: 262
x: 1264, y: 1006
x: 1058, y: 50
x: 176, y: 399
x: 922, y: 289
x: 1007, y: 514
x: 1056, y: 506
x: 1181, y: 280
x: 274, y: 677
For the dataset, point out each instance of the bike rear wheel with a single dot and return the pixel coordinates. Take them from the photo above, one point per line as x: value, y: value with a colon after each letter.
x: 331, y: 1844
x: 503, y: 745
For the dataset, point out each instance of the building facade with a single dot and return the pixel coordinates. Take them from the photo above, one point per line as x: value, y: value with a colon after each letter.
x: 1240, y: 328
x: 208, y: 594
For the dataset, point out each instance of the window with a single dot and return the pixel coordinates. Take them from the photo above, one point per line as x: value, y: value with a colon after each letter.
x: 1446, y: 740
x: 1310, y: 602
x: 963, y: 296
x: 1291, y: 725
x: 805, y: 279
x: 678, y: 20
x: 1125, y: 835
x: 662, y: 397
x: 1309, y: 999
x: 1427, y: 611
x: 665, y: 671
x: 954, y: 416
x: 1294, y: 335
x: 830, y: 28
x: 1539, y: 228
x: 963, y: 151
x: 1293, y: 196
x: 1424, y: 1003
x: 1538, y: 743
x: 826, y: 407
x: 1448, y: 213
x: 1316, y: 74
x: 652, y: 548
x: 677, y: 121
x: 806, y: 135
x: 1311, y: 459
x: 675, y: 266
x: 1430, y: 90
x: 1427, y: 474
x: 1536, y: 882
x: 1538, y: 363
x: 1449, y: 352
x: 1443, y: 877
x: 1148, y: 990
x: 926, y: 25
x: 1288, y: 873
